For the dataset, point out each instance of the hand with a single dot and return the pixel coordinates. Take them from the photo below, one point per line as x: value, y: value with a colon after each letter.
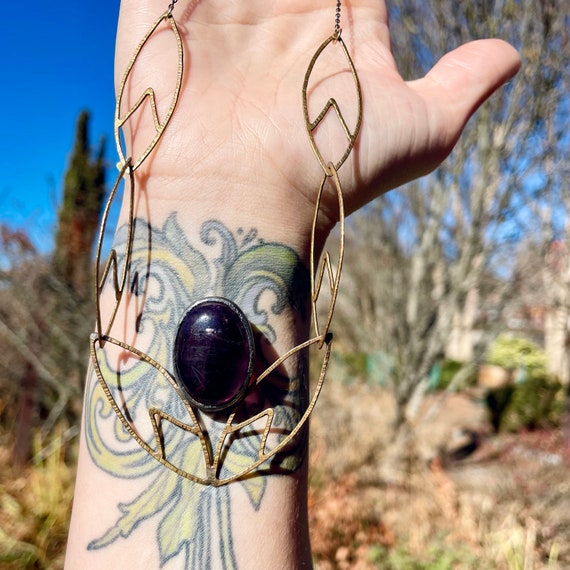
x: 236, y: 151
x: 237, y: 140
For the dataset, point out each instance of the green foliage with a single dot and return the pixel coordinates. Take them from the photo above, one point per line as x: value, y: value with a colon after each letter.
x: 497, y: 401
x: 536, y: 400
x: 85, y: 178
x: 449, y: 369
x: 349, y: 367
x: 83, y: 193
x: 515, y: 352
x: 439, y: 556
x: 356, y: 364
x: 35, y: 506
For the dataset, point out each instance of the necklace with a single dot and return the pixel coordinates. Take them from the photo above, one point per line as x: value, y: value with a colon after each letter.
x: 214, y: 348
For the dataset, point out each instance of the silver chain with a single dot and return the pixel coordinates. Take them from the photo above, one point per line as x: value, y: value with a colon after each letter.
x: 337, y: 29
x: 171, y: 6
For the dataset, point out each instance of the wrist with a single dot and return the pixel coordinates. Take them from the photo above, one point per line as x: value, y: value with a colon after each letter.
x: 171, y: 268
x: 273, y: 208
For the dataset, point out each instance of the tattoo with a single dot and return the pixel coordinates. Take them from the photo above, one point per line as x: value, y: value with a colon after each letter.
x: 166, y: 275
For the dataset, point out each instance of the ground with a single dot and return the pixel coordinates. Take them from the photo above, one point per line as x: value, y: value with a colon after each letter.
x: 470, y: 499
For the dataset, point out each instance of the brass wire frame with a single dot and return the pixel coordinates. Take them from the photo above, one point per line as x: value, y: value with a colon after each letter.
x: 112, y: 264
x: 127, y: 166
x: 149, y: 93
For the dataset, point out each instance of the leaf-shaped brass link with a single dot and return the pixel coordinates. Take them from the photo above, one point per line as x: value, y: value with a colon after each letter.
x: 139, y: 389
x: 335, y: 39
x: 155, y: 414
x: 112, y: 265
x: 148, y: 94
x: 325, y: 265
x: 157, y: 448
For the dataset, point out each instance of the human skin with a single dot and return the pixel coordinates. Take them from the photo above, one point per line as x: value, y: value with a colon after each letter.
x: 234, y: 158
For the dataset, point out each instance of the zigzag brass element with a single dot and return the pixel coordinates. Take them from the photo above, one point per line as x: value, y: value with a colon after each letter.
x: 330, y: 173
x: 148, y: 94
x: 335, y: 39
x: 325, y: 267
x: 212, y: 461
x: 157, y: 450
x: 185, y: 423
x: 129, y: 165
x: 112, y: 262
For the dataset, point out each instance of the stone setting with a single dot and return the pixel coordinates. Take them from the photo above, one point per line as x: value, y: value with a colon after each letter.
x: 213, y: 354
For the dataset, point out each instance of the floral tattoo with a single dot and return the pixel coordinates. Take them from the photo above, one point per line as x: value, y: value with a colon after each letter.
x: 167, y: 274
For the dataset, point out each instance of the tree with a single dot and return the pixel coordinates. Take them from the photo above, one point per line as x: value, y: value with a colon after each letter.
x: 47, y: 303
x: 425, y: 261
x: 72, y: 260
x: 78, y: 219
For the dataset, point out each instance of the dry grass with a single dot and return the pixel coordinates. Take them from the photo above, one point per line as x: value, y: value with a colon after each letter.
x: 505, y: 507
x: 35, y: 506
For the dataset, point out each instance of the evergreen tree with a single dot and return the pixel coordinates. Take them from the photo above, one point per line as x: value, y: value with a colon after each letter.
x: 47, y: 310
x: 83, y: 193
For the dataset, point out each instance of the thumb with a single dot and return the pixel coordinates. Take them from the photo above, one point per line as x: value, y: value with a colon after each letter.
x: 461, y: 81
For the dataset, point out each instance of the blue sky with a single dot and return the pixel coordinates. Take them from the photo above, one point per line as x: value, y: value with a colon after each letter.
x: 57, y: 59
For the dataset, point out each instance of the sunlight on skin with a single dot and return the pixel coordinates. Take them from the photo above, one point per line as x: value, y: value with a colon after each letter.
x: 236, y: 151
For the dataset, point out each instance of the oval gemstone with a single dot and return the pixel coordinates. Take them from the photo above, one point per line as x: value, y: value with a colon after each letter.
x: 213, y: 354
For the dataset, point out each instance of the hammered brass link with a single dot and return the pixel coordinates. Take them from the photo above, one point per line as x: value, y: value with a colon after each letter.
x: 312, y: 125
x: 112, y: 265
x: 156, y: 416
x: 212, y: 462
x: 325, y: 266
x: 130, y: 165
x: 148, y: 94
x: 211, y: 471
x: 330, y: 169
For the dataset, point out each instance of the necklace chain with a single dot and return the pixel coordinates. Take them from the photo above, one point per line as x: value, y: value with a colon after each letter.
x: 171, y: 6
x: 337, y: 29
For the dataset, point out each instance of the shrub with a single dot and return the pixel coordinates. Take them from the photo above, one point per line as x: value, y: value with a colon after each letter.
x: 440, y: 555
x: 35, y: 507
x: 355, y: 363
x: 536, y: 402
x: 536, y: 399
x: 515, y: 352
x: 449, y: 369
x: 498, y: 401
x: 460, y: 373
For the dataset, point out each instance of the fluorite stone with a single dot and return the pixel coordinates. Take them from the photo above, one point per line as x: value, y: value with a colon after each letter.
x: 213, y: 354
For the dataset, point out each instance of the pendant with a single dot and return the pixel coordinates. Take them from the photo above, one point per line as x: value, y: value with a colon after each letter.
x: 213, y: 354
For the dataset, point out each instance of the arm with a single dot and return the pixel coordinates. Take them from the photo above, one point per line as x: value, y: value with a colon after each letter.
x: 224, y: 206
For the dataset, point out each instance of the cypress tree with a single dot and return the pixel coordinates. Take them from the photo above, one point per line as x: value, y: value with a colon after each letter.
x: 83, y: 193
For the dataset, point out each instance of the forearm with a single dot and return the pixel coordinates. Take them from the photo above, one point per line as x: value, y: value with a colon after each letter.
x: 128, y: 504
x: 224, y: 207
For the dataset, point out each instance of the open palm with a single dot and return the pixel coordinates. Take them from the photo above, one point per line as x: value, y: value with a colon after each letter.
x: 238, y: 140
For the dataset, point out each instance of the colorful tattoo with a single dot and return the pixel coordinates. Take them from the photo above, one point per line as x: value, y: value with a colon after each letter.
x: 167, y: 274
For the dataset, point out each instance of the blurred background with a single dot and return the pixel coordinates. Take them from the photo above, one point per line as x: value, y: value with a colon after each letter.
x: 442, y: 438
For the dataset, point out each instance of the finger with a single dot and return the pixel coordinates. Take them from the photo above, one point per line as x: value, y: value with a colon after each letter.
x: 459, y: 83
